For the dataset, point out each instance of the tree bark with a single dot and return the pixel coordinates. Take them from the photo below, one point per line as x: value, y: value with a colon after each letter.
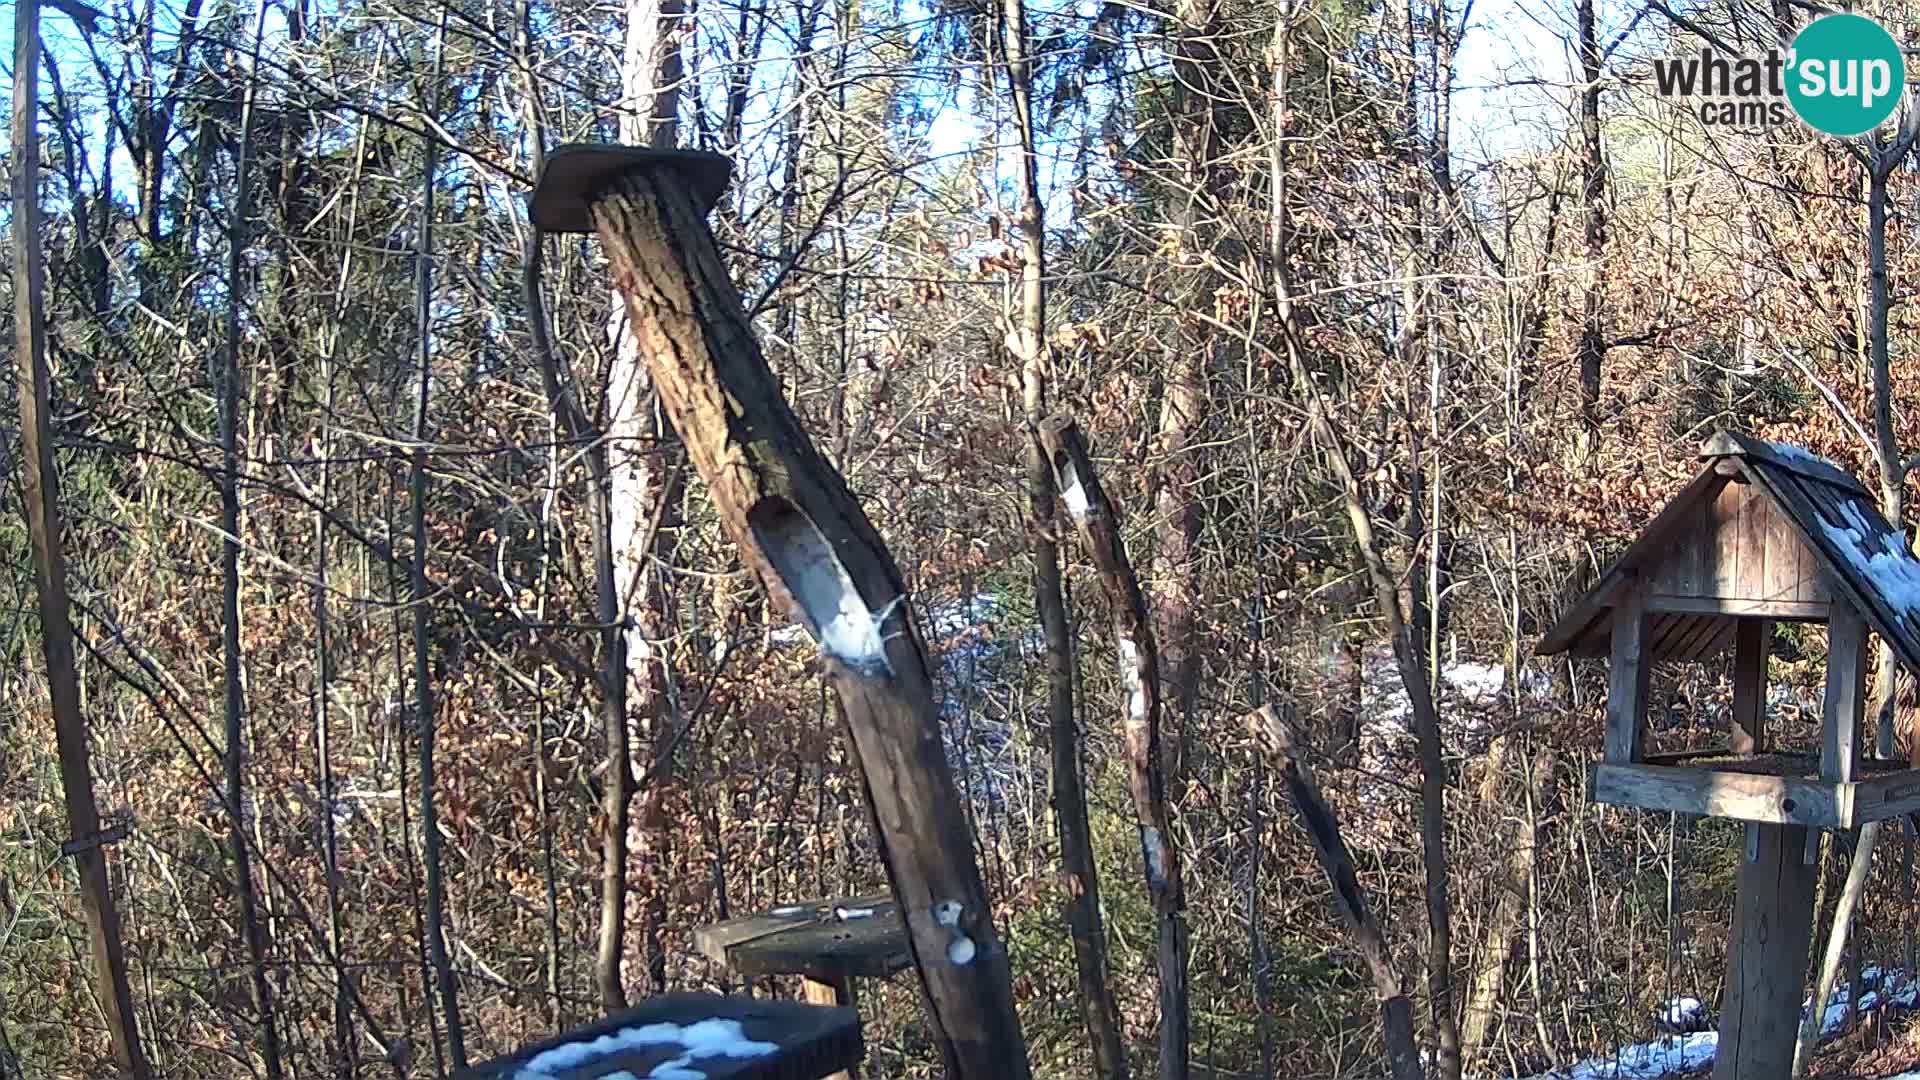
x: 1489, y: 972
x: 1407, y: 659
x: 1133, y: 634
x: 418, y: 595
x: 1593, y: 192
x: 231, y: 661
x: 805, y: 536
x: 1272, y: 732
x: 40, y: 492
x: 631, y: 595
x: 1085, y: 926
x: 1183, y: 400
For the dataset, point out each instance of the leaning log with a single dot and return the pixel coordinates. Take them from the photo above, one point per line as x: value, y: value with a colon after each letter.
x: 1275, y: 736
x: 806, y: 537
x: 1099, y: 529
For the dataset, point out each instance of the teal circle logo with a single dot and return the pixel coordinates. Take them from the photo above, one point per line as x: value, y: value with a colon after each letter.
x: 1846, y: 74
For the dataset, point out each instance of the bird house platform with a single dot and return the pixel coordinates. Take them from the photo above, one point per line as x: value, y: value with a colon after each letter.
x: 1765, y: 533
x: 718, y: 1037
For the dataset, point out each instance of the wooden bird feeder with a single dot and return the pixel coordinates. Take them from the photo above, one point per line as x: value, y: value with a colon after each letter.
x: 1765, y: 533
x: 805, y: 535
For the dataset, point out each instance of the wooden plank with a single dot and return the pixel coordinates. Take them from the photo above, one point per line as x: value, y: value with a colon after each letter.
x: 1696, y: 639
x: 1844, y: 701
x: 1627, y: 670
x: 1781, y: 610
x: 1750, y: 640
x: 1661, y: 635
x: 1778, y: 800
x: 1658, y: 536
x: 1889, y: 795
x: 1751, y: 536
x: 1766, y: 958
x: 1720, y: 542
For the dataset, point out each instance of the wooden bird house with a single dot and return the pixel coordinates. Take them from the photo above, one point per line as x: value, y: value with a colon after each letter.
x: 1765, y: 533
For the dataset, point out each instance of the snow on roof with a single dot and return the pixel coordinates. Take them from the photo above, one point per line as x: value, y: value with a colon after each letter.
x: 1879, y: 556
x: 698, y: 1041
x: 1790, y: 452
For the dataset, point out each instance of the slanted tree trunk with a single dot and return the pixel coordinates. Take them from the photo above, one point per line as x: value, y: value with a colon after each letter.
x: 1275, y: 737
x: 1407, y: 656
x: 234, y: 757
x: 40, y: 493
x: 1133, y: 635
x: 805, y: 536
x: 1085, y: 926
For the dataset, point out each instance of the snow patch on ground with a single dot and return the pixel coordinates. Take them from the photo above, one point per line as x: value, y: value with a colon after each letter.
x: 1675, y: 1055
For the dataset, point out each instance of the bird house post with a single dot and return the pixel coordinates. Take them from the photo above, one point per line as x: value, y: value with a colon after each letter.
x: 1765, y: 533
x: 810, y: 543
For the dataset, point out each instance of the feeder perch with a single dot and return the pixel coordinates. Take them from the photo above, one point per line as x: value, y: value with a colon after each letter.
x: 1765, y: 533
x: 721, y: 1038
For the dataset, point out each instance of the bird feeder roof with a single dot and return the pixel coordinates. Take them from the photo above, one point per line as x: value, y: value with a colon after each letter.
x: 1765, y: 530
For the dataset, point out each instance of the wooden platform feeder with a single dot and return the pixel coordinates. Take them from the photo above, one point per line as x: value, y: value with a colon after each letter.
x: 1764, y: 533
x: 720, y: 1038
x: 828, y: 943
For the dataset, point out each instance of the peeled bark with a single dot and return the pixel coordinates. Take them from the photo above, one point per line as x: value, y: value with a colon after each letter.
x: 805, y: 536
x: 1139, y: 658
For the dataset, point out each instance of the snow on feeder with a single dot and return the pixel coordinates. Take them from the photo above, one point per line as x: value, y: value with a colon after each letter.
x: 1765, y: 533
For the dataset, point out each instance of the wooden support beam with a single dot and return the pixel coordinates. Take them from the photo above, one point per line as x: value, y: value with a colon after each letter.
x: 1845, y: 699
x: 1627, y: 673
x: 1766, y: 958
x: 837, y: 993
x: 1784, y: 610
x: 822, y: 562
x: 1750, y: 638
x: 1780, y: 800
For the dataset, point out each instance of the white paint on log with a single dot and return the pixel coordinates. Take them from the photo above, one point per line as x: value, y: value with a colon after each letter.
x: 1073, y: 493
x: 961, y: 951
x: 947, y: 912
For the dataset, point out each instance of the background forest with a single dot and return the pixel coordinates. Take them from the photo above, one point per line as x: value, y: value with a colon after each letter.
x: 1384, y: 321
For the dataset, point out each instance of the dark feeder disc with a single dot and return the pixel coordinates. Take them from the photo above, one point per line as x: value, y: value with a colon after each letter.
x: 577, y: 173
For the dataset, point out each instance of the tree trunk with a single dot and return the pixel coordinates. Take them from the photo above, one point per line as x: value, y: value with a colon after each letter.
x: 634, y: 485
x: 1593, y: 191
x: 1323, y: 829
x: 418, y: 593
x: 1183, y: 400
x: 235, y: 706
x: 40, y: 492
x: 805, y: 536
x: 1413, y: 675
x: 1881, y: 163
x: 1133, y: 634
x: 1488, y: 975
x: 1085, y: 926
